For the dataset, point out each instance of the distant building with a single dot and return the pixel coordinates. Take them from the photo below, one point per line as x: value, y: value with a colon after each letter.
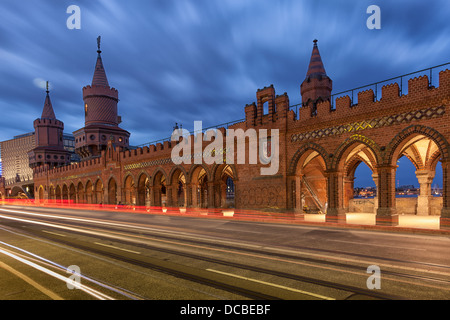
x: 14, y: 158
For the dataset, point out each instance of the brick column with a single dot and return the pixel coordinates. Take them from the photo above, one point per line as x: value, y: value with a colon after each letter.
x: 445, y: 212
x: 386, y: 212
x: 211, y: 195
x: 335, y: 194
x: 425, y: 178
x: 375, y: 199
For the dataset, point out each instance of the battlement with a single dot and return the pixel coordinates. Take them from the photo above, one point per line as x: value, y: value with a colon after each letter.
x: 72, y: 169
x: 94, y: 90
x: 277, y: 107
x: 48, y: 122
x: 392, y: 97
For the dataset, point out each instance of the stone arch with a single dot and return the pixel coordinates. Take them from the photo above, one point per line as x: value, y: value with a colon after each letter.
x: 65, y: 192
x: 223, y: 190
x: 346, y: 146
x: 158, y: 185
x: 177, y: 191
x: 407, y: 143
x: 129, y: 190
x: 80, y: 192
x: 51, y: 193
x: 143, y: 189
x: 199, y: 175
x: 41, y: 193
x: 307, y: 185
x: 402, y: 138
x: 193, y: 171
x: 302, y: 150
x: 98, y: 191
x: 72, y: 193
x: 173, y: 173
x: 58, y: 193
x: 89, y: 191
x: 112, y: 190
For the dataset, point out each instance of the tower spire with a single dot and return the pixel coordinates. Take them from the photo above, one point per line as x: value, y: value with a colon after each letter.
x: 99, y: 78
x: 316, y: 67
x: 317, y: 85
x: 48, y: 112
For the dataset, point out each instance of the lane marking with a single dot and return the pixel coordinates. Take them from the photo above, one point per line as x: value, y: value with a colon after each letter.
x: 30, y: 281
x: 273, y: 285
x: 56, y: 234
x: 114, y: 247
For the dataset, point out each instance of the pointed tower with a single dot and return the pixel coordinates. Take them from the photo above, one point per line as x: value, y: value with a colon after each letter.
x: 48, y: 132
x: 100, y: 114
x: 317, y: 86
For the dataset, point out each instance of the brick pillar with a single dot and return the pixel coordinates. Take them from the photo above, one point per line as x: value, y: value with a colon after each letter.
x: 169, y: 196
x: 211, y: 195
x: 298, y: 194
x: 335, y: 211
x: 445, y: 212
x: 375, y: 199
x: 349, y: 182
x: 425, y: 178
x: 386, y: 212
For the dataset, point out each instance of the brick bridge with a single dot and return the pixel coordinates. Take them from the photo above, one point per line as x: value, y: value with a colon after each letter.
x: 320, y: 146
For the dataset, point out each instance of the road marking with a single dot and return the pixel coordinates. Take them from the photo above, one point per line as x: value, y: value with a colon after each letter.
x: 25, y: 278
x: 118, y: 248
x: 56, y: 234
x: 273, y: 285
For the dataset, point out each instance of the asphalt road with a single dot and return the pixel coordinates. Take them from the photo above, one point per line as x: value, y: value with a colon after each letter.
x: 135, y: 256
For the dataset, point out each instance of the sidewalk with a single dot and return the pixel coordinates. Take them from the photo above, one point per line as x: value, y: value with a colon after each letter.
x: 368, y: 219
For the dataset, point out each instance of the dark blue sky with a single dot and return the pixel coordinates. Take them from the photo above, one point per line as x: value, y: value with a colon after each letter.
x: 181, y: 61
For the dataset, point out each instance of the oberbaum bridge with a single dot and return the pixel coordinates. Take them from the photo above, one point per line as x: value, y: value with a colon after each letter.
x: 321, y: 143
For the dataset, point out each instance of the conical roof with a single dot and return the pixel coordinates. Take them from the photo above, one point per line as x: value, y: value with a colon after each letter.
x: 316, y: 67
x: 48, y: 112
x: 99, y: 78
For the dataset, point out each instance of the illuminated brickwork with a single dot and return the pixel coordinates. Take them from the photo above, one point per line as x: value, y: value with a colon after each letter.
x: 320, y: 148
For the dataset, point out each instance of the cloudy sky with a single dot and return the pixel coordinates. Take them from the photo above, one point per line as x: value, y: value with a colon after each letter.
x: 186, y: 60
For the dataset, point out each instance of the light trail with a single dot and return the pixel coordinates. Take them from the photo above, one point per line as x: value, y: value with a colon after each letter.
x: 88, y: 290
x: 132, y: 237
x: 63, y: 268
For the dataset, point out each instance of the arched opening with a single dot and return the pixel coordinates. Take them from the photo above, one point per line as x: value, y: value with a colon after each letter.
x: 179, y: 192
x: 310, y: 184
x: 224, y: 187
x: 51, y: 194
x: 89, y: 192
x: 112, y: 191
x: 199, y: 182
x: 143, y: 190
x: 41, y: 194
x: 159, y: 189
x: 129, y: 191
x: 98, y: 192
x: 58, y: 193
x: 72, y: 193
x: 80, y: 193
x: 65, y: 193
x: 416, y: 160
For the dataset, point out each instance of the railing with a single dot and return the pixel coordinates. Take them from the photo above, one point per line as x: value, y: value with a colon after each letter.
x: 316, y: 199
x: 352, y: 93
x: 222, y: 125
